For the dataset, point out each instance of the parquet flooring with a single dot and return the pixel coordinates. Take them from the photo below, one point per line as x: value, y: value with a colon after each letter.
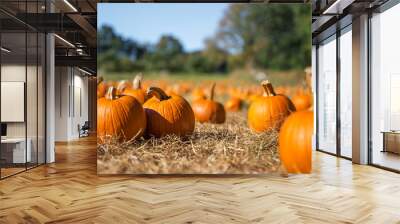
x: 69, y: 191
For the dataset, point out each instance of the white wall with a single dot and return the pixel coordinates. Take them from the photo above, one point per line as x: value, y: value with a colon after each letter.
x: 80, y: 97
x: 71, y: 102
x: 61, y: 103
x: 16, y: 73
x: 360, y: 89
x: 33, y: 126
x: 50, y: 96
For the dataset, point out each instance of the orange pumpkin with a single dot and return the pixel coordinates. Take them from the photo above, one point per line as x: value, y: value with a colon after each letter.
x: 167, y: 114
x: 198, y: 94
x: 295, y: 142
x: 120, y: 116
x: 268, y: 111
x: 253, y: 97
x: 302, y: 101
x: 208, y: 110
x: 233, y: 104
x: 101, y: 87
x: 136, y: 90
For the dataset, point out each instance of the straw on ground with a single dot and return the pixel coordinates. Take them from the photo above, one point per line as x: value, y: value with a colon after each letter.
x: 230, y: 148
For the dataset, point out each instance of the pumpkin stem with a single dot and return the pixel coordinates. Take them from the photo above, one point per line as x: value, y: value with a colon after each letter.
x: 212, y: 91
x: 111, y: 93
x: 268, y: 89
x: 121, y: 86
x: 307, y: 79
x: 100, y: 80
x: 137, y: 82
x: 158, y: 92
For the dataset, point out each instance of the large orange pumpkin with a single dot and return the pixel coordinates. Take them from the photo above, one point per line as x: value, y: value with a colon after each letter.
x: 101, y: 87
x: 120, y: 116
x: 136, y: 90
x: 208, y: 110
x: 295, y: 142
x: 167, y: 114
x: 268, y: 111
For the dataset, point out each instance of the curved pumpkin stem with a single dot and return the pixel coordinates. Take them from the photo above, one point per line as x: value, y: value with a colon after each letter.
x: 212, y: 91
x: 111, y: 93
x: 100, y: 80
x: 158, y: 92
x: 121, y: 86
x: 137, y: 82
x: 268, y: 89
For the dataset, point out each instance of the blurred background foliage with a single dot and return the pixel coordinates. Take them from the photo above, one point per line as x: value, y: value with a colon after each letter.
x: 250, y: 37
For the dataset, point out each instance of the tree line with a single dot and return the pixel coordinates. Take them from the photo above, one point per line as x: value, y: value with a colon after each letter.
x: 249, y: 36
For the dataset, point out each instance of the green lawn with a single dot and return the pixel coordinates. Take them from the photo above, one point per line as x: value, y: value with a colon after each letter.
x: 278, y: 78
x: 176, y: 76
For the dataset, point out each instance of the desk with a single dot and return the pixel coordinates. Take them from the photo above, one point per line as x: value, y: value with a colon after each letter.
x: 13, y: 150
x: 391, y: 141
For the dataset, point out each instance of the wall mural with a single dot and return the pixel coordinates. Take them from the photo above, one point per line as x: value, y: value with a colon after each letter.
x: 204, y: 89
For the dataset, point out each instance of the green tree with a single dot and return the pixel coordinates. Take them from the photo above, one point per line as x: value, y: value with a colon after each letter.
x: 166, y: 55
x: 267, y: 36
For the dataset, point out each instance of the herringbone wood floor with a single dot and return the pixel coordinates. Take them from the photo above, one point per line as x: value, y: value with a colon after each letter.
x: 69, y: 191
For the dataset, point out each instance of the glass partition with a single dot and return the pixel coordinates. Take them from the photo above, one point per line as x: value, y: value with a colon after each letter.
x: 327, y: 95
x: 385, y: 88
x: 22, y: 88
x: 346, y: 92
x: 13, y: 92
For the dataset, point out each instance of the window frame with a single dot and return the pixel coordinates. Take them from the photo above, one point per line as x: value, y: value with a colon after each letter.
x: 345, y: 24
x: 27, y: 29
x: 381, y: 9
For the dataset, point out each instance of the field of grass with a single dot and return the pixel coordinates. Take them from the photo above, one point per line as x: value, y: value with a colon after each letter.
x: 286, y: 78
x: 165, y: 76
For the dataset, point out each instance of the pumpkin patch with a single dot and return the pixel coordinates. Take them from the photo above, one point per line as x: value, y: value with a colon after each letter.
x: 219, y: 137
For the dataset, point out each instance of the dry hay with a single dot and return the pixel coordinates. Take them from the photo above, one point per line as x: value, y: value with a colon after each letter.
x: 229, y: 148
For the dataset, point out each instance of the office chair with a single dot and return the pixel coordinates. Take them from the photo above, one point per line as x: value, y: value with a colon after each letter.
x: 84, y: 130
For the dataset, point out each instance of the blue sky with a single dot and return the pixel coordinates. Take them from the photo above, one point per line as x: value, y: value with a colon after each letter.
x: 146, y: 22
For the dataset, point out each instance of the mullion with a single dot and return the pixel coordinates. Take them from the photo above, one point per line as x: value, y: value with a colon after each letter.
x: 0, y: 96
x: 37, y: 90
x: 369, y: 100
x: 316, y: 97
x: 26, y: 86
x: 338, y: 95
